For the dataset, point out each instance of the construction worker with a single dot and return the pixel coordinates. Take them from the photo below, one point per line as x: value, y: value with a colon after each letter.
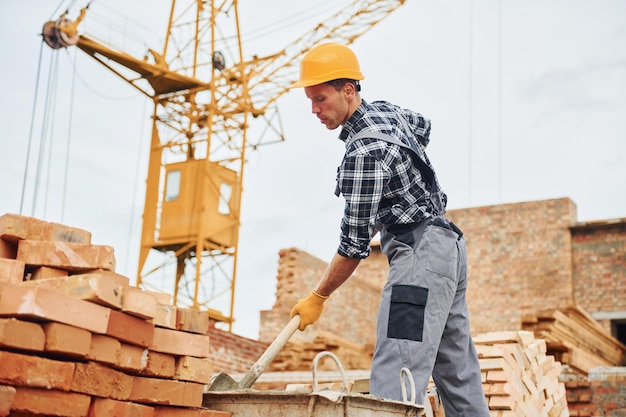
x: 389, y: 186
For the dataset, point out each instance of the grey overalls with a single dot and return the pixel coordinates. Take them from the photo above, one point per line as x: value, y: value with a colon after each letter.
x: 423, y: 321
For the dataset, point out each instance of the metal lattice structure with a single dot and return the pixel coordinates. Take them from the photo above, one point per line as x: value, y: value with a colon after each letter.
x: 206, y: 95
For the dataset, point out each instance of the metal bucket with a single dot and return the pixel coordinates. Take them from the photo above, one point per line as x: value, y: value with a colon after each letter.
x: 250, y: 403
x: 315, y: 403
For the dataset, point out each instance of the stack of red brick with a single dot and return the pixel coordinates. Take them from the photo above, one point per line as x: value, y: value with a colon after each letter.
x: 77, y: 340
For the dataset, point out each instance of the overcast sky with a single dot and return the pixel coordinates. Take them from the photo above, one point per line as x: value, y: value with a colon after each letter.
x: 527, y: 101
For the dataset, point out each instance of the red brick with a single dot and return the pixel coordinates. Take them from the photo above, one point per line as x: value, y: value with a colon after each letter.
x: 11, y: 271
x: 194, y: 321
x: 132, y: 358
x: 33, y: 371
x: 165, y: 316
x: 67, y: 340
x: 7, y: 394
x: 22, y: 335
x: 65, y: 255
x: 45, y: 272
x: 160, y: 365
x: 110, y: 276
x: 130, y: 329
x: 101, y: 407
x: 95, y: 288
x: 104, y: 349
x: 160, y: 411
x: 8, y: 250
x: 167, y: 392
x: 161, y: 297
x: 193, y: 369
x: 180, y: 343
x: 95, y: 379
x: 139, y: 303
x: 20, y: 301
x: 51, y: 402
x: 15, y: 227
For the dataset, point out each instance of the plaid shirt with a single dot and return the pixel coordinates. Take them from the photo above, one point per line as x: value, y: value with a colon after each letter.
x: 378, y: 180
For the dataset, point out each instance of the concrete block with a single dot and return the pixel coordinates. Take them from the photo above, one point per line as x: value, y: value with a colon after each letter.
x: 64, y: 255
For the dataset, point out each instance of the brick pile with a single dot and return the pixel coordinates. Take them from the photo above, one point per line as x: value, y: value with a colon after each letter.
x: 77, y: 340
x: 519, y: 378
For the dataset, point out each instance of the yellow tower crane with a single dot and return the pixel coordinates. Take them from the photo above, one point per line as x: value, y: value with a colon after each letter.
x: 206, y: 93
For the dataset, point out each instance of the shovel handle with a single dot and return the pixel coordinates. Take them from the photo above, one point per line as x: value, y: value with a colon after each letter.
x: 261, y: 364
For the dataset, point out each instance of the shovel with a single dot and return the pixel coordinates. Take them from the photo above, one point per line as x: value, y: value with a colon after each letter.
x: 224, y: 382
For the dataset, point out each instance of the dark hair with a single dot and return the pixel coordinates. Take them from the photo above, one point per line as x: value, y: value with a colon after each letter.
x: 340, y: 82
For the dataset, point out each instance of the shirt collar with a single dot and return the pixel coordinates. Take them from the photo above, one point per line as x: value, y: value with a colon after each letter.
x: 349, y: 128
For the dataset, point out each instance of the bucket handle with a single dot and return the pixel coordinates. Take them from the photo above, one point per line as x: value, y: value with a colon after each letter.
x: 406, y: 371
x: 344, y: 382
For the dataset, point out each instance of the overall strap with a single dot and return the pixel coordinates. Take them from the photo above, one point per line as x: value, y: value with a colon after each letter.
x: 427, y: 173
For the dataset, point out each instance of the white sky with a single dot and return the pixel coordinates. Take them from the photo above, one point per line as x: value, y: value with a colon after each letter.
x: 527, y: 101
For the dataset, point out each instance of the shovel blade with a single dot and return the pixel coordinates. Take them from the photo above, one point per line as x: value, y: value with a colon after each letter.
x: 223, y: 382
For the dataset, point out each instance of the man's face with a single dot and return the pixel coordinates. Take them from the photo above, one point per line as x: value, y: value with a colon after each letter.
x: 328, y: 104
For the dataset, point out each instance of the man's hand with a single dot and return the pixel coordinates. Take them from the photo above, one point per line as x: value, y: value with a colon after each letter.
x: 309, y: 309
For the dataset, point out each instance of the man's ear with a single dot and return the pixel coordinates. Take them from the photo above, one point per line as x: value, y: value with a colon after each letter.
x: 349, y: 90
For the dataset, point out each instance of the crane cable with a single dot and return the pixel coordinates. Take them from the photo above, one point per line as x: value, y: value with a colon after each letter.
x: 51, y: 87
x: 30, y: 134
x: 51, y: 83
x: 69, y: 139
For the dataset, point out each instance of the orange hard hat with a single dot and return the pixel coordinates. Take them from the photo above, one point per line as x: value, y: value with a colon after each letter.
x: 327, y: 62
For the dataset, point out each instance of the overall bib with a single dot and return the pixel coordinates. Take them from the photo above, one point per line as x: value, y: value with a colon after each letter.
x: 423, y: 320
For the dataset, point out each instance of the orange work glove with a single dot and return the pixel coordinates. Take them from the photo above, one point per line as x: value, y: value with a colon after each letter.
x: 309, y: 309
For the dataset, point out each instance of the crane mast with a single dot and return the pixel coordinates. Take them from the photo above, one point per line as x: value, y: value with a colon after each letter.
x: 206, y: 94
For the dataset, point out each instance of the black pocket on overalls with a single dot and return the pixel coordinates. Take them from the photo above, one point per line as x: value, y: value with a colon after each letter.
x: 406, y: 312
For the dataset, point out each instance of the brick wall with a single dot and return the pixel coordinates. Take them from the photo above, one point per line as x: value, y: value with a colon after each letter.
x: 599, y: 273
x: 519, y: 260
x: 522, y: 258
x: 233, y: 353
x: 298, y: 274
x: 606, y: 398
